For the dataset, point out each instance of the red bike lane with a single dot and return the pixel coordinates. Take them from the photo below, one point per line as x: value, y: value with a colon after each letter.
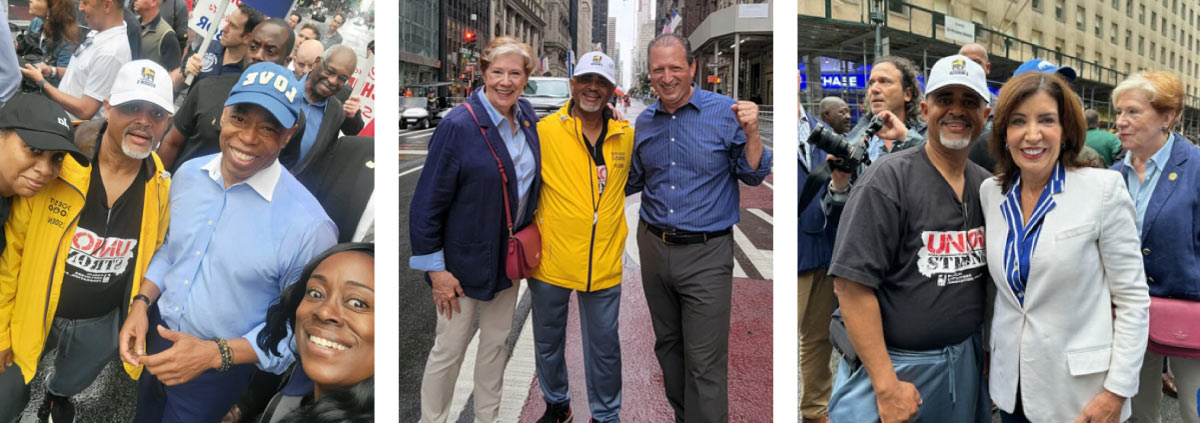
x: 750, y: 338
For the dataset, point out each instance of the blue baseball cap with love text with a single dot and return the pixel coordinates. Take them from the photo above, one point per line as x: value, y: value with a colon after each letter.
x: 272, y: 87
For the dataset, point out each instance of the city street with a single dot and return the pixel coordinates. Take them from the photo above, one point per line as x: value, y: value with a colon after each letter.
x: 642, y: 397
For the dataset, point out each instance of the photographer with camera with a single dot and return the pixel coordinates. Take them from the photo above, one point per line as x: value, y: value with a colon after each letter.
x: 815, y: 246
x: 911, y: 270
x: 894, y: 96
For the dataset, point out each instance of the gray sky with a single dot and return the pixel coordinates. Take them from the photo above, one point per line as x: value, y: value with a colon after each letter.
x: 626, y: 13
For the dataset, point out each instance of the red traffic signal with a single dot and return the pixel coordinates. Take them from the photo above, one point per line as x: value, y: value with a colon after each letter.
x: 469, y: 36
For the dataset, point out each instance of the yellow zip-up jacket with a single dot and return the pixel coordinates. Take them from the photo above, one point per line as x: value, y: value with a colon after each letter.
x: 583, y: 231
x: 39, y: 231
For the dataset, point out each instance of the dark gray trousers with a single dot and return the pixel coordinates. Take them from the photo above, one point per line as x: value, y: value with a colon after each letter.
x: 688, y: 289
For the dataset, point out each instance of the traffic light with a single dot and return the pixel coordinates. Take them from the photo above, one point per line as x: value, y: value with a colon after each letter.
x: 469, y: 36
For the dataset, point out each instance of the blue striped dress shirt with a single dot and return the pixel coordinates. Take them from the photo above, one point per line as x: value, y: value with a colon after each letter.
x: 1023, y: 237
x: 687, y: 164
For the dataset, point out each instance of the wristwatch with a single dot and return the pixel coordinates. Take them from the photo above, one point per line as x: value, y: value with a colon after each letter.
x: 142, y: 298
x: 41, y: 84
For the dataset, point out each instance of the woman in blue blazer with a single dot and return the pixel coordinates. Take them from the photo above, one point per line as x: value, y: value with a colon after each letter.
x: 1162, y: 173
x: 458, y: 228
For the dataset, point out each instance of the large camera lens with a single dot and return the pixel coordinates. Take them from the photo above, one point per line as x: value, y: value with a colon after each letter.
x: 829, y: 142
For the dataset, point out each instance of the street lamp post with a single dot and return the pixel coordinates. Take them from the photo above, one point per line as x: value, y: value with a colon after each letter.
x: 877, y: 10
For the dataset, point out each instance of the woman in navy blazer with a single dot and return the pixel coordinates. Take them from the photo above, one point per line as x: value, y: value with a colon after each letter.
x: 458, y: 228
x: 1162, y: 173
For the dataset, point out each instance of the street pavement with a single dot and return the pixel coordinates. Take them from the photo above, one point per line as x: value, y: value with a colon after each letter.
x: 643, y: 398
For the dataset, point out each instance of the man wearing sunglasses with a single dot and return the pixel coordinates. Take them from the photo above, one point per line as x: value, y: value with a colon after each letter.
x: 91, y: 234
x: 324, y: 114
x: 585, y: 163
x: 89, y: 77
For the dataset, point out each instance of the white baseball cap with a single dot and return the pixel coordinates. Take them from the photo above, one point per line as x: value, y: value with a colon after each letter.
x: 958, y: 70
x: 143, y: 80
x: 597, y: 63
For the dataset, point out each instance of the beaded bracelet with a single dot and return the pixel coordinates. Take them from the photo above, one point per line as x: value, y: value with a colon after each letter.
x: 226, y: 355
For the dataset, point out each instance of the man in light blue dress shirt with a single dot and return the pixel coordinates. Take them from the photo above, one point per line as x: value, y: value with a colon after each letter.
x: 690, y: 150
x: 241, y: 231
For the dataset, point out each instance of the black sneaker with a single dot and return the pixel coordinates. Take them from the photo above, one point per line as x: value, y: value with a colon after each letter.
x: 43, y: 410
x: 555, y: 413
x: 62, y: 410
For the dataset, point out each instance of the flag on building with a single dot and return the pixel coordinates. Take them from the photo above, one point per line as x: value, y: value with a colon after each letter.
x: 673, y: 21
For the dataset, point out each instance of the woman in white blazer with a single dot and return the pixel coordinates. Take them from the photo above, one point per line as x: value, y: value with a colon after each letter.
x: 1070, y: 323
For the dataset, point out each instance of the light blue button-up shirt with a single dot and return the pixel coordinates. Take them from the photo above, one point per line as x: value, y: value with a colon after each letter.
x: 1142, y: 191
x: 688, y: 163
x: 314, y: 115
x: 229, y: 253
x: 523, y: 159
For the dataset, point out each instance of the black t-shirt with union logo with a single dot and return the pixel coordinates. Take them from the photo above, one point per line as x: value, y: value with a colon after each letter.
x: 103, y: 250
x: 905, y: 234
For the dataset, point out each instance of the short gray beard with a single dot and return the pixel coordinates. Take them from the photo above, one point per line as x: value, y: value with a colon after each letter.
x: 138, y: 155
x: 953, y: 144
x: 594, y: 109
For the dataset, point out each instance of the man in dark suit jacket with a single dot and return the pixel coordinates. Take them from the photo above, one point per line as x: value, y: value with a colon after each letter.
x: 817, y: 227
x: 343, y: 183
x: 323, y: 112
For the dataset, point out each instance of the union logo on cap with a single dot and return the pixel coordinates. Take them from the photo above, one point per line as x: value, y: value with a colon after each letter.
x: 147, y: 77
x: 596, y: 59
x: 958, y: 66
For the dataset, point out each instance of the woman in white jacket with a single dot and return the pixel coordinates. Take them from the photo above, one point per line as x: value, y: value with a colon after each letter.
x: 1070, y: 323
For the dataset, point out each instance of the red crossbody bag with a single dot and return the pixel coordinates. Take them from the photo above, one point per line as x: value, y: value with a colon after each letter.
x: 525, y: 246
x: 1173, y: 327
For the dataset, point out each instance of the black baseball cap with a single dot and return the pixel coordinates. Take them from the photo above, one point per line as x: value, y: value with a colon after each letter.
x: 41, y: 123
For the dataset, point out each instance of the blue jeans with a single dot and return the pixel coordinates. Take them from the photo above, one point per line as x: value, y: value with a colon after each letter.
x: 950, y: 381
x: 204, y: 399
x: 599, y: 315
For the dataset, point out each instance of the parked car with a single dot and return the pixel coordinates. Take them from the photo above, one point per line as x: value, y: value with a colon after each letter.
x: 547, y: 94
x: 416, y: 112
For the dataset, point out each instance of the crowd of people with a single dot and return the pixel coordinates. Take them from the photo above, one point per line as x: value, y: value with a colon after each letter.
x: 556, y: 190
x: 203, y: 218
x: 999, y: 252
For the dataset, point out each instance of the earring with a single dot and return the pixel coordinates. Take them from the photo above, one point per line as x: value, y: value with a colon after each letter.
x: 1164, y: 129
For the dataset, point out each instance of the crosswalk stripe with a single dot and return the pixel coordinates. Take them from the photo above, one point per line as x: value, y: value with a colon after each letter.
x: 762, y: 215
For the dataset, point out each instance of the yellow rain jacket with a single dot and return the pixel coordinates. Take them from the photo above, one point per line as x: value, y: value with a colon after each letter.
x: 39, y: 231
x: 583, y: 231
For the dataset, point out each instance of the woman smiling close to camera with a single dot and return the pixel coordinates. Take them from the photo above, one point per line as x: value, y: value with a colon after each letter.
x: 331, y: 311
x: 1070, y: 321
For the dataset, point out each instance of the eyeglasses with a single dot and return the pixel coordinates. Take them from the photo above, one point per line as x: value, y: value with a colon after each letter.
x: 325, y: 71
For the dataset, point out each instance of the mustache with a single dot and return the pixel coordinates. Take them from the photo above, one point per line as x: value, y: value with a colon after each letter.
x: 140, y: 128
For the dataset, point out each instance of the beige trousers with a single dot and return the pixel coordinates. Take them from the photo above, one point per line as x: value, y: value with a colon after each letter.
x: 1147, y: 404
x: 449, y: 348
x: 816, y: 376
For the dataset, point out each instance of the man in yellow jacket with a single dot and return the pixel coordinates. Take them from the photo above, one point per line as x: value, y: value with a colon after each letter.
x: 78, y: 249
x: 585, y: 162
